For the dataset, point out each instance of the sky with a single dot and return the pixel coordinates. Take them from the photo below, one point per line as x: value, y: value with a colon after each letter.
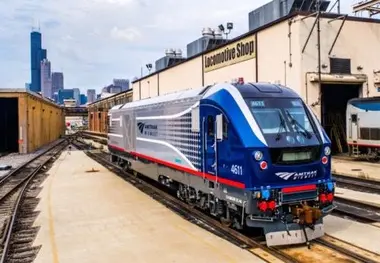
x: 94, y: 41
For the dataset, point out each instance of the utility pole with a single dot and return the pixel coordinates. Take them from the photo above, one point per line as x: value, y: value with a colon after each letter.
x: 319, y: 42
x: 338, y: 6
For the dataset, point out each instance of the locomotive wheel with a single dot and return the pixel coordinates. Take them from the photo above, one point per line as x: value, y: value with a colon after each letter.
x: 225, y: 222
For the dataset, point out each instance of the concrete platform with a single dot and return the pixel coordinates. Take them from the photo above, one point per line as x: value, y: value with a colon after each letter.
x: 370, y: 171
x: 366, y: 198
x: 98, y: 217
x: 359, y: 234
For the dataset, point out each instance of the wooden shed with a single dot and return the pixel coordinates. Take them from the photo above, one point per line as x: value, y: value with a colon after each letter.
x: 28, y: 121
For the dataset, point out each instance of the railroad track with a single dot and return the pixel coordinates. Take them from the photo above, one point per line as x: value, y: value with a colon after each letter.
x: 357, y: 184
x: 101, y: 138
x: 335, y: 250
x: 356, y: 210
x: 359, y: 211
x: 18, y: 192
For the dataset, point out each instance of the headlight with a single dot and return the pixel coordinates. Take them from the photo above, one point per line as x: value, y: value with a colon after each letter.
x: 327, y: 150
x: 258, y: 155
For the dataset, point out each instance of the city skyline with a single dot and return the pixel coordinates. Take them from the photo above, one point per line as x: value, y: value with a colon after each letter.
x: 90, y: 52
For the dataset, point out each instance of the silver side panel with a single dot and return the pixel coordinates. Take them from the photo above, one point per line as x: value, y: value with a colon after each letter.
x: 163, y: 131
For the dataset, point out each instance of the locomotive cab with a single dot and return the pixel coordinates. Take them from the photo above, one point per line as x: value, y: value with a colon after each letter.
x: 291, y: 173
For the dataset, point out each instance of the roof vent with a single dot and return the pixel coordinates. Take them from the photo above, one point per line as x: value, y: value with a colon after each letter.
x: 207, y: 32
x: 169, y: 52
x: 218, y: 34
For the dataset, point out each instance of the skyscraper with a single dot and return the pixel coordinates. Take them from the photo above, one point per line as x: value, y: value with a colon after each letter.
x: 83, y: 99
x: 37, y: 54
x: 123, y: 83
x: 91, y: 95
x: 65, y: 94
x: 46, y: 82
x: 57, y: 81
x: 76, y: 95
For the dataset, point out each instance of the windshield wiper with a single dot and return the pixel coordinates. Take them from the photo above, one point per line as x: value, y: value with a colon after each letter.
x: 305, y: 132
x: 282, y: 126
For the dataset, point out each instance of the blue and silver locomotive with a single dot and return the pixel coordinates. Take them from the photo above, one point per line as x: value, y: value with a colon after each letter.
x: 252, y: 154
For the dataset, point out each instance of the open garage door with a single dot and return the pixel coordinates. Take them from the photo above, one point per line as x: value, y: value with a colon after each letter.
x: 334, y: 103
x: 9, y: 125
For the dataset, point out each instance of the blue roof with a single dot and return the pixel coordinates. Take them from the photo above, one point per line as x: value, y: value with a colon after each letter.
x: 369, y: 104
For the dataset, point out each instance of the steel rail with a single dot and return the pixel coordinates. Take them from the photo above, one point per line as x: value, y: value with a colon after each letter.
x: 359, y: 211
x: 355, y: 183
x: 24, y: 183
x: 331, y: 242
x: 14, y: 171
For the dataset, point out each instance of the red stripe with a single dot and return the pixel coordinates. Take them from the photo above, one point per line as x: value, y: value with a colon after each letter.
x: 299, y: 188
x: 363, y: 144
x: 116, y: 148
x: 185, y: 169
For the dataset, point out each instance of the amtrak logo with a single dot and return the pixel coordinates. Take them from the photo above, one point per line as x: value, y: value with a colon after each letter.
x: 297, y: 176
x: 141, y: 126
x: 147, y: 129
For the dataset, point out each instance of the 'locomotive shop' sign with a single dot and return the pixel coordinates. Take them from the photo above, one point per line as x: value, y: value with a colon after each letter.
x: 233, y: 53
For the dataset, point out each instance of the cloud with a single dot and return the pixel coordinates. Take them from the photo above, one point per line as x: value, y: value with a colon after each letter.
x: 94, y: 41
x: 128, y: 34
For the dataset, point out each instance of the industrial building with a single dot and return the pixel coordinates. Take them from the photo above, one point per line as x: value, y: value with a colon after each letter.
x: 98, y: 110
x: 28, y: 120
x: 284, y: 51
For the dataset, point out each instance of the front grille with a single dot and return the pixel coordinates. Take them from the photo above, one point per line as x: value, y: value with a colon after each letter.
x: 278, y: 155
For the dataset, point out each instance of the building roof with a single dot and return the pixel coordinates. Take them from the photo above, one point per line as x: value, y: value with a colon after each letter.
x: 110, y: 97
x: 35, y: 94
x: 249, y: 33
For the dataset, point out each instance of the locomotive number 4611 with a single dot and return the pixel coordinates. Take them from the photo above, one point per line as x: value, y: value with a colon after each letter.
x: 237, y: 169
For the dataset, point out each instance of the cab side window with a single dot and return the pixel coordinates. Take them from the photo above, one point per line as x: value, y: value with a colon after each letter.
x: 225, y: 128
x: 210, y: 125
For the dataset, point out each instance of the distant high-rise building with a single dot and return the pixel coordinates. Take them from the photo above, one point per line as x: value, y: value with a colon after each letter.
x: 115, y: 89
x: 123, y: 83
x: 64, y: 94
x: 112, y: 89
x: 43, y: 54
x: 55, y: 97
x: 76, y: 94
x: 83, y: 99
x: 37, y: 54
x: 57, y: 81
x: 91, y: 95
x: 46, y: 83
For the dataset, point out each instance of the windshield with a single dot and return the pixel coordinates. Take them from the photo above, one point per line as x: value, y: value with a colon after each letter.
x: 283, y: 120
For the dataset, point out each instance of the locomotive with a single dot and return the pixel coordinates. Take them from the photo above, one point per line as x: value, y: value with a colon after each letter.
x: 362, y: 125
x: 253, y: 155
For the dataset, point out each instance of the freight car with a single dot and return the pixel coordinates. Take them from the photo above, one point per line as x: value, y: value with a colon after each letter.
x: 363, y: 127
x: 253, y: 155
